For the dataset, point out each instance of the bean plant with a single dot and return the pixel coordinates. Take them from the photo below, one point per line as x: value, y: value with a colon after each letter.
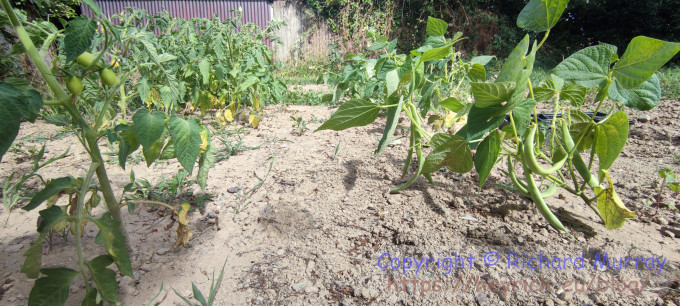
x: 574, y: 152
x: 92, y: 85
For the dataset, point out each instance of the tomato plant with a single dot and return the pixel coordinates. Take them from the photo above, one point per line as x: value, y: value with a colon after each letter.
x: 85, y: 108
x: 208, y: 64
x: 427, y: 85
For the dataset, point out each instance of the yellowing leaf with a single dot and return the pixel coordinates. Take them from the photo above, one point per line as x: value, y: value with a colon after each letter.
x: 230, y: 112
x: 254, y: 121
x: 205, y: 140
x: 611, y: 208
x: 183, y: 236
x: 449, y: 120
x: 256, y: 103
x: 182, y: 213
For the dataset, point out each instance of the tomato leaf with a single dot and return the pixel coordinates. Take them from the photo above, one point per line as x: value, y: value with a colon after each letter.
x: 78, y: 36
x: 206, y: 162
x: 186, y: 136
x: 53, y: 289
x: 50, y: 217
x: 53, y: 188
x: 104, y: 278
x: 354, y: 113
x: 15, y: 104
x: 148, y: 127
x: 114, y: 241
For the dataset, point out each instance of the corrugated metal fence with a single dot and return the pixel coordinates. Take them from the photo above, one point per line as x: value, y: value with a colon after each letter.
x: 256, y: 11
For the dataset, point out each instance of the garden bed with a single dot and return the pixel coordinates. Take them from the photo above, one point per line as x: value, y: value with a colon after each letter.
x: 316, y: 229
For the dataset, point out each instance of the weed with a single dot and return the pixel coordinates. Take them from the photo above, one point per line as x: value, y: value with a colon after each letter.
x: 14, y: 192
x: 300, y: 125
x: 198, y: 295
x: 242, y: 197
x: 670, y: 82
x: 668, y: 177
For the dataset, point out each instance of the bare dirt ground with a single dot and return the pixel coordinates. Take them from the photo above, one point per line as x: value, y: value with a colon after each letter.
x: 319, y: 228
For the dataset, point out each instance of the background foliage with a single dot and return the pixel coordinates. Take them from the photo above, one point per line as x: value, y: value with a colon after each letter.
x: 490, y: 24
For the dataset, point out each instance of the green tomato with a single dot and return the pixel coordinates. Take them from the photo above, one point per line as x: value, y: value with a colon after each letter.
x: 86, y: 59
x: 108, y: 77
x: 74, y: 85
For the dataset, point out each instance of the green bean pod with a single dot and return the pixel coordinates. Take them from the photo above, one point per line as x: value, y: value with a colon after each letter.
x: 529, y: 157
x: 511, y: 172
x: 540, y: 203
x: 578, y: 162
x: 522, y: 188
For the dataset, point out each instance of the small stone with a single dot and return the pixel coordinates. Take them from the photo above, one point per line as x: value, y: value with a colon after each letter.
x: 393, y: 299
x: 212, y: 215
x: 520, y: 239
x: 644, y: 118
x: 668, y: 233
x: 280, y: 252
x: 662, y: 221
x: 12, y: 299
x: 233, y: 189
x: 409, y: 288
x: 366, y: 294
x: 311, y: 290
x: 299, y: 286
x: 162, y: 251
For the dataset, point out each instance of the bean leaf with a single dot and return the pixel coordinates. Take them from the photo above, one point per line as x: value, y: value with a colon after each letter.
x: 643, y: 57
x: 611, y: 137
x: 354, y: 113
x: 611, y: 208
x: 436, y: 27
x: 541, y: 15
x: 448, y: 150
x: 588, y: 67
x: 487, y: 155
